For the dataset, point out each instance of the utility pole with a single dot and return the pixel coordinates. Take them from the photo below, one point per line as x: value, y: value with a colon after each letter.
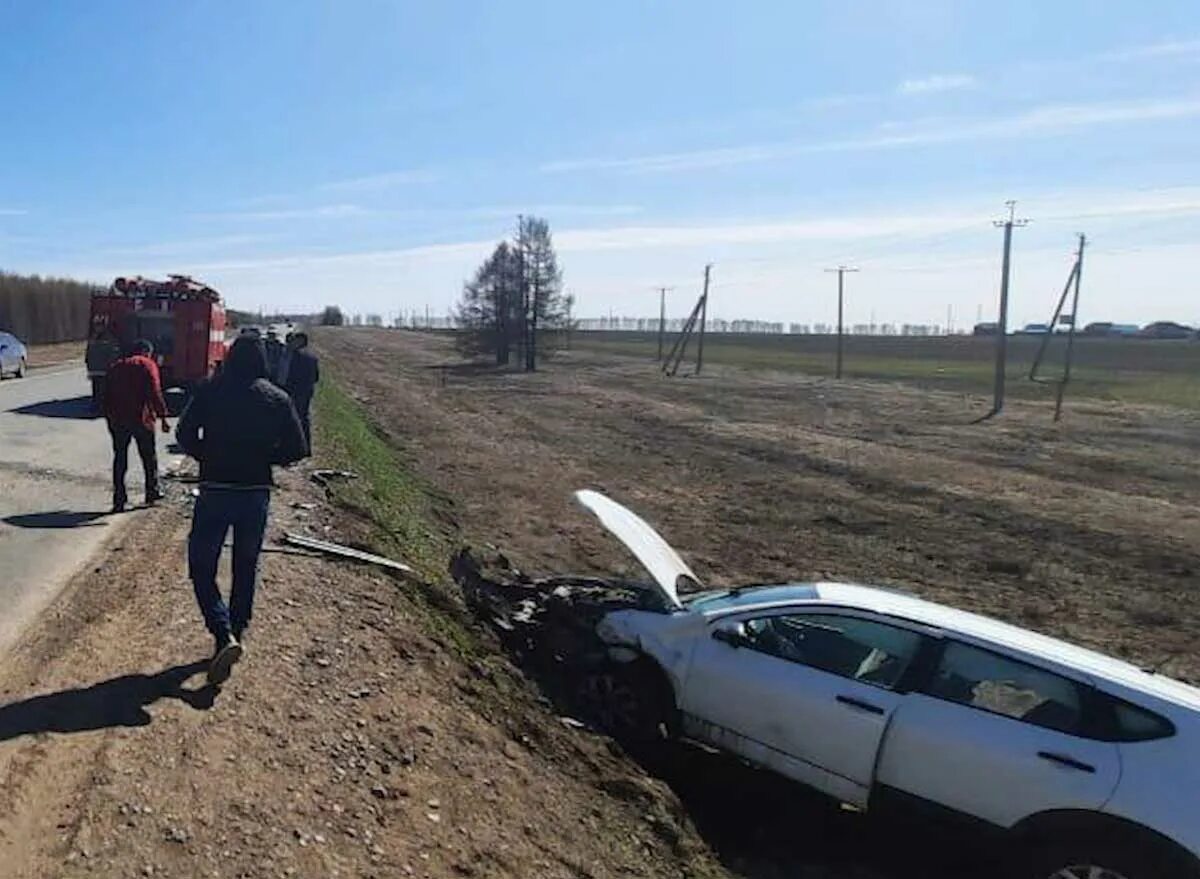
x: 662, y: 319
x: 1002, y: 318
x: 570, y: 306
x: 841, y: 271
x: 1062, y: 386
x: 703, y: 320
x: 949, y: 320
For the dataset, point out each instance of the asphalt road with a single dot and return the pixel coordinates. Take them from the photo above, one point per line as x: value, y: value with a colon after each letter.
x: 55, y: 489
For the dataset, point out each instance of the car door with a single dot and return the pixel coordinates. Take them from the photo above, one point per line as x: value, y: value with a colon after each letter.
x: 997, y: 738
x: 806, y: 693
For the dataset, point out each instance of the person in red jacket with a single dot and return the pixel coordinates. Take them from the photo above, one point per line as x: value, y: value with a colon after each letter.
x: 133, y: 401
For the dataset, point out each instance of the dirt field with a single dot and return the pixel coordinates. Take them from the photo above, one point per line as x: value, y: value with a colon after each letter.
x: 1127, y: 370
x: 352, y: 740
x: 52, y: 355
x: 1088, y: 530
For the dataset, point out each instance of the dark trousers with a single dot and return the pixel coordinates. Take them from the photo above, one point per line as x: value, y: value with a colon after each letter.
x: 217, y: 511
x: 303, y: 402
x: 147, y: 451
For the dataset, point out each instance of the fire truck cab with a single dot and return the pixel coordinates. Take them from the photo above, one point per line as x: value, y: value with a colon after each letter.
x: 182, y: 318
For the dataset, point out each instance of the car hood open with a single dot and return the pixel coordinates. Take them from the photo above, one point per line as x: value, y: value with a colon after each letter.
x: 656, y: 555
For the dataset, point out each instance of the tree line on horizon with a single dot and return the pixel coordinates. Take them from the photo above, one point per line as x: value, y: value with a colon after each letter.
x: 41, y: 311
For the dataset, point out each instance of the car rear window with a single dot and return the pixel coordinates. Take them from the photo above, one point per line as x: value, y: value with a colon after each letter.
x: 1133, y: 724
x: 1000, y: 685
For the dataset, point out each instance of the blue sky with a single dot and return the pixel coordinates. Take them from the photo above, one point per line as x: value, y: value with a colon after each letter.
x: 370, y: 153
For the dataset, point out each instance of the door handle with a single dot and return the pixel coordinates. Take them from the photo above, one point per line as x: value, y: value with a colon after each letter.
x: 1069, y: 762
x: 860, y: 704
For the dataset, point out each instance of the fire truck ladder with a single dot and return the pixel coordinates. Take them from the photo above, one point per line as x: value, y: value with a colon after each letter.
x: 1065, y: 320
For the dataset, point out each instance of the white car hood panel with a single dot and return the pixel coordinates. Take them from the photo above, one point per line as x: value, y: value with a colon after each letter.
x: 656, y: 555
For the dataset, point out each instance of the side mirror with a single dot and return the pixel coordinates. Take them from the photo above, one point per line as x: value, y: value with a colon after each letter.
x: 734, y: 636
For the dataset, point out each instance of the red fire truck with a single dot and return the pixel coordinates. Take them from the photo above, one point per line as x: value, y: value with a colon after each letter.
x: 181, y: 317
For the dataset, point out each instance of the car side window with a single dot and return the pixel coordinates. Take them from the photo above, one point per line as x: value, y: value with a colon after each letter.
x: 851, y: 647
x: 991, y: 682
x: 1133, y: 724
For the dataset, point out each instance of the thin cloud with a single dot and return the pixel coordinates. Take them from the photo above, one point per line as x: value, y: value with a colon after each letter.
x: 1040, y: 121
x: 186, y: 246
x: 939, y: 221
x: 320, y: 212
x: 940, y: 83
x: 1166, y: 49
x: 429, y: 252
x: 376, y: 182
x: 552, y: 210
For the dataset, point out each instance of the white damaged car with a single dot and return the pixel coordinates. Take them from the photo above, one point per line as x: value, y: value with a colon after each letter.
x: 1089, y: 764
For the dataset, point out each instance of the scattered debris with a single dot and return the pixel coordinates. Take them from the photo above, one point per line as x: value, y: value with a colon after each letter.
x: 324, y: 546
x: 548, y: 625
x: 324, y: 477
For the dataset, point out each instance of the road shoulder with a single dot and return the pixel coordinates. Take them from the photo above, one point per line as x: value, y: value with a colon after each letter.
x: 357, y: 737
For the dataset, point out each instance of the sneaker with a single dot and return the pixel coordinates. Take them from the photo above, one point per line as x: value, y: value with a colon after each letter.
x: 118, y: 506
x: 228, y: 652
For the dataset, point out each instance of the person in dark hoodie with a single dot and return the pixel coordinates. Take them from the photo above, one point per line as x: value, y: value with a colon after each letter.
x: 237, y: 426
x: 300, y: 373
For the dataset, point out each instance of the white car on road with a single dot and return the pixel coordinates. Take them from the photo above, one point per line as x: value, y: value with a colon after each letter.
x: 880, y: 699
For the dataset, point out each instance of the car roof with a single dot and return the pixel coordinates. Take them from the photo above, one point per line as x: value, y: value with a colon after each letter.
x: 949, y: 619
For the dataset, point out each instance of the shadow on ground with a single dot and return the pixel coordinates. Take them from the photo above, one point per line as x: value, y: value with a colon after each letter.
x: 116, y: 702
x: 56, y: 519
x: 79, y: 408
x: 763, y: 826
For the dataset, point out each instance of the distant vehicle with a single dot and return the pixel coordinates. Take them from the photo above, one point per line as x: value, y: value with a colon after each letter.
x: 988, y: 328
x: 1107, y: 328
x: 14, y: 356
x: 1165, y: 329
x: 1035, y: 330
x: 182, y: 318
x: 1089, y: 766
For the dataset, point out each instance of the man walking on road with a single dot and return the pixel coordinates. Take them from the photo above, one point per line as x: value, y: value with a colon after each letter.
x: 237, y: 426
x: 300, y: 376
x: 133, y: 401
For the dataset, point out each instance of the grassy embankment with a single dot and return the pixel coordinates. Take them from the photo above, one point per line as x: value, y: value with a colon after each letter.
x: 394, y: 511
x: 1124, y: 370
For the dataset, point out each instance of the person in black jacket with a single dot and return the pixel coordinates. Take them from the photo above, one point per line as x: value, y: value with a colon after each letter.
x: 300, y: 378
x: 237, y: 426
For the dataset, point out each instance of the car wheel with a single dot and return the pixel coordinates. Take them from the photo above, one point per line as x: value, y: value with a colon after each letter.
x: 626, y: 701
x: 21, y: 367
x: 1094, y: 860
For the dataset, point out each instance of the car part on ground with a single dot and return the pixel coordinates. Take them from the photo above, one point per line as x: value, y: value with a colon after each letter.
x: 347, y: 552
